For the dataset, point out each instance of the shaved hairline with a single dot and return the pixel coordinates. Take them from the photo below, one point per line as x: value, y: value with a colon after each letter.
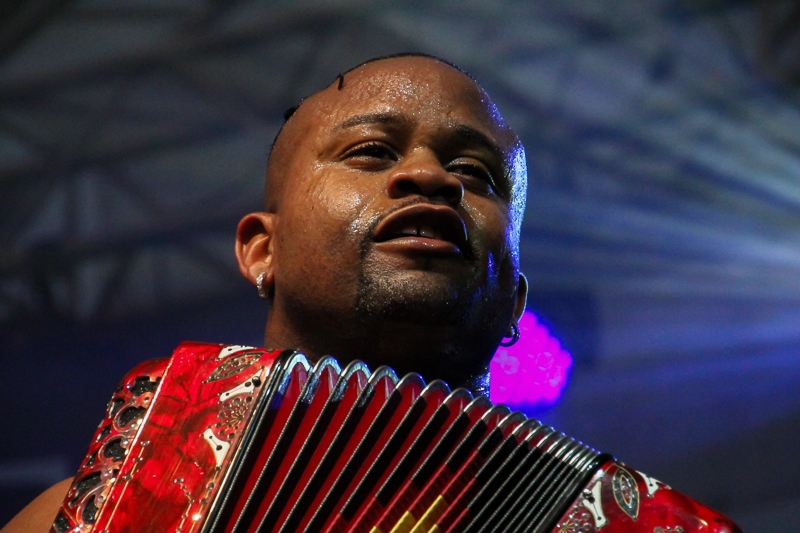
x: 289, y: 113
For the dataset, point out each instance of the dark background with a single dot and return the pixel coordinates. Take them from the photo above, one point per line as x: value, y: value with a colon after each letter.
x: 661, y: 240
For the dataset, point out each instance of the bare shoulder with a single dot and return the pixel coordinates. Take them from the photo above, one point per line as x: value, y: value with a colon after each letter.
x: 38, y: 516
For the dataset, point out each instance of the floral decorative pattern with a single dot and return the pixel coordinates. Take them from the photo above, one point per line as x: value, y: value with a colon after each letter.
x: 579, y: 520
x: 231, y: 414
x: 626, y: 492
x: 234, y: 365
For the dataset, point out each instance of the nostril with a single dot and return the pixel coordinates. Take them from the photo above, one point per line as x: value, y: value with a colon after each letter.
x: 407, y: 187
x: 452, y: 192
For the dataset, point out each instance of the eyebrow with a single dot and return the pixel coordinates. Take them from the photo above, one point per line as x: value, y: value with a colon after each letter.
x: 372, y: 118
x: 473, y: 136
x: 464, y: 132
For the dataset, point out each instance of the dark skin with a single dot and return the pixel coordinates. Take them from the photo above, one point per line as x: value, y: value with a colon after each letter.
x: 391, y: 230
x: 409, y: 138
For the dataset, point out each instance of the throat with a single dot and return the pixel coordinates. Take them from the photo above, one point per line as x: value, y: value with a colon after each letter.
x: 432, y: 352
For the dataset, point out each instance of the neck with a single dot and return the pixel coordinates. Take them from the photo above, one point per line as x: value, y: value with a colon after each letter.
x: 436, y: 352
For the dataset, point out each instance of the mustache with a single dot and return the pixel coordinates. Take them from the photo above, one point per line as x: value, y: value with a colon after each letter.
x: 468, y: 250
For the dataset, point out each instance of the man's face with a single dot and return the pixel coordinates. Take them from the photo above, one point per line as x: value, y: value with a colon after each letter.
x: 395, y: 202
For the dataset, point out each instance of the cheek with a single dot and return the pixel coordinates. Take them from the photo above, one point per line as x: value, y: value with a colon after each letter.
x: 340, y: 201
x: 493, y: 236
x: 318, y: 245
x: 326, y: 217
x: 492, y: 227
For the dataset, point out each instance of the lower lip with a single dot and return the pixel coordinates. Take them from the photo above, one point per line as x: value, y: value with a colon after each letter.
x: 419, y: 245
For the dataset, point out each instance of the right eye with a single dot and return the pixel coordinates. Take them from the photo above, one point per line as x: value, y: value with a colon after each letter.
x: 370, y: 156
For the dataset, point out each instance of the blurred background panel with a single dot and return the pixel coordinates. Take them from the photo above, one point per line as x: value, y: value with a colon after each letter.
x: 661, y: 239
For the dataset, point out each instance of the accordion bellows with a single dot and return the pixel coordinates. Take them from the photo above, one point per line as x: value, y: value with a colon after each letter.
x: 232, y: 439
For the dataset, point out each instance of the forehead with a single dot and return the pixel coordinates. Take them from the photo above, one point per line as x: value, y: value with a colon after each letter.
x: 422, y: 89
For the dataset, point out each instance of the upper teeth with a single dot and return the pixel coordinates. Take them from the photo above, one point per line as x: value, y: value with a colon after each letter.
x: 428, y: 232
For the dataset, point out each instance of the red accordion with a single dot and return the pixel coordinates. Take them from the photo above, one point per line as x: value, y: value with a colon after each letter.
x: 232, y: 439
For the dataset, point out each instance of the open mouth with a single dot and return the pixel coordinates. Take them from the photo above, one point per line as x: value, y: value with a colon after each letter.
x: 432, y: 227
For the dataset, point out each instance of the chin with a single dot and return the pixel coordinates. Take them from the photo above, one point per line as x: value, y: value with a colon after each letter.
x: 423, y: 297
x: 436, y: 302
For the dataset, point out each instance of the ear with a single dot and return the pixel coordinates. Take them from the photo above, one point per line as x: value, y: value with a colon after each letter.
x: 254, y: 247
x: 521, y: 297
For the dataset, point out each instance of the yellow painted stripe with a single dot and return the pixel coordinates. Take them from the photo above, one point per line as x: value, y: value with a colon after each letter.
x: 428, y: 520
x: 405, y: 523
x: 375, y: 530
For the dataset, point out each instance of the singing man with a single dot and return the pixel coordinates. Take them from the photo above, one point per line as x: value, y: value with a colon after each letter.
x: 390, y: 231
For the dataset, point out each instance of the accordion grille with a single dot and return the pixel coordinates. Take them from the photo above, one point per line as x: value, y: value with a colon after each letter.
x: 529, y: 493
x: 369, y: 470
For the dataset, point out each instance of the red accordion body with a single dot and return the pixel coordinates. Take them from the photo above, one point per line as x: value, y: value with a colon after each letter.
x: 232, y: 439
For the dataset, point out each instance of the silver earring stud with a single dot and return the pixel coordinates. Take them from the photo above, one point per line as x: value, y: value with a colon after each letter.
x: 262, y: 290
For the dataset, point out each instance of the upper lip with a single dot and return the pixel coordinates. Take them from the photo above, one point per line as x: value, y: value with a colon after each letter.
x: 425, y: 220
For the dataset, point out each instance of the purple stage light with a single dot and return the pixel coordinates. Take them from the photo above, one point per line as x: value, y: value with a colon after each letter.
x: 533, y: 372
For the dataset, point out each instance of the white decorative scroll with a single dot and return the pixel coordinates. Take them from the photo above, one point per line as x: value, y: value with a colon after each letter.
x: 243, y: 388
x: 218, y: 446
x: 592, y: 502
x: 232, y: 349
x: 652, y: 484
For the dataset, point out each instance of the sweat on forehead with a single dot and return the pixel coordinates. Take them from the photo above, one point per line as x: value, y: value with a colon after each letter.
x: 415, y: 85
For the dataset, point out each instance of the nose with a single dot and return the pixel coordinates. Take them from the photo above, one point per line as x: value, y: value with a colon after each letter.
x: 423, y: 174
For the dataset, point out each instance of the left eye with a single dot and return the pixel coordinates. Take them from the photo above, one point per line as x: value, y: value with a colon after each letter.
x: 472, y: 170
